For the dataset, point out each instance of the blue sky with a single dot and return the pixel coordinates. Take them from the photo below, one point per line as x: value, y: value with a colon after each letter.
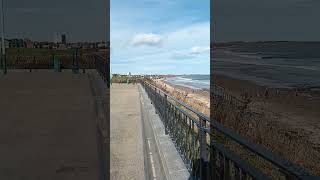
x: 160, y: 36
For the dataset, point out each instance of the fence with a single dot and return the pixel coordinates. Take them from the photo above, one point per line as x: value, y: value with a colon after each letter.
x: 47, y: 61
x: 206, y: 158
x: 102, y: 66
x: 220, y: 92
x: 67, y: 61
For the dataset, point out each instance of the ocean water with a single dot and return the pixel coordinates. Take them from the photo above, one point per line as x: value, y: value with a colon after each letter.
x: 274, y: 64
x: 198, y: 82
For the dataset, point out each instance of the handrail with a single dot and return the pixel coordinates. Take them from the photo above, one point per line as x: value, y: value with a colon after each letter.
x: 102, y: 66
x: 68, y: 61
x: 219, y: 91
x: 181, y: 134
x: 288, y: 168
x: 276, y: 160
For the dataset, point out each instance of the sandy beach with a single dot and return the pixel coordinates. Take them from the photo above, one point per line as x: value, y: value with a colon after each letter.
x: 286, y: 121
x: 196, y: 98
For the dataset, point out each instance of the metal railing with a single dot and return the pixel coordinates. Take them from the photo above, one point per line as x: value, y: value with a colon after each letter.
x: 47, y: 62
x: 103, y: 68
x: 206, y: 158
x: 220, y: 92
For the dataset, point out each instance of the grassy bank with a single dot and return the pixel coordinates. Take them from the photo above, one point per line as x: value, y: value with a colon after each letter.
x: 125, y: 79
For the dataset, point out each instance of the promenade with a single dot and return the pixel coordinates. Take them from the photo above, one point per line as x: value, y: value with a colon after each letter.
x: 126, y: 145
x: 139, y: 148
x: 48, y: 127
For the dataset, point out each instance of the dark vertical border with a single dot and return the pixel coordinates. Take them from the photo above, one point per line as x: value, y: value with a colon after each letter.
x: 211, y: 54
x: 107, y: 105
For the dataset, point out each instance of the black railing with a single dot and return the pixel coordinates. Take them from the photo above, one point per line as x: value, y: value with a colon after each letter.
x: 220, y: 92
x: 102, y: 66
x: 206, y: 158
x: 47, y: 59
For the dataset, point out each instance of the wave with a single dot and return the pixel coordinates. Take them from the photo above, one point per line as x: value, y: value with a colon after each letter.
x: 244, y: 61
x: 189, y: 82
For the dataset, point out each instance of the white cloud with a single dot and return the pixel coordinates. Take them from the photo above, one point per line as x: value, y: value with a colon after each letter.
x: 199, y: 50
x: 183, y: 47
x: 149, y: 39
x: 197, y: 34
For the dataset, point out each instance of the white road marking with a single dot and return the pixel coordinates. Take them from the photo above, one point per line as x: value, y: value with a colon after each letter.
x: 148, y: 139
x: 151, y: 160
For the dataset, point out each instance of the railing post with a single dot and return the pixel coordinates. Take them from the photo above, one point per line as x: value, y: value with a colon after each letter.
x: 166, y: 115
x: 204, y: 164
x: 57, y: 67
x: 213, y: 156
x: 1, y: 63
x: 4, y: 63
x: 75, y: 65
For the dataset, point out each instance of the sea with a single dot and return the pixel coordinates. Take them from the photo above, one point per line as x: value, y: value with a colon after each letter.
x: 193, y: 81
x: 274, y: 64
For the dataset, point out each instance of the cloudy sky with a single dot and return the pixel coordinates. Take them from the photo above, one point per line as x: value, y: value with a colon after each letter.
x: 253, y: 20
x: 160, y: 36
x: 81, y: 20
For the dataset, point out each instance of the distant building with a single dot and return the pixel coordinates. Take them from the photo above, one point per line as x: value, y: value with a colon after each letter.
x: 57, y: 38
x: 102, y: 45
x: 62, y: 46
x: 16, y: 43
x: 28, y: 43
x: 44, y: 45
x: 63, y: 39
x: 36, y: 44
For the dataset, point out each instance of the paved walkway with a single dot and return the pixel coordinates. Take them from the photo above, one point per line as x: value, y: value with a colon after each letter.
x: 48, y: 127
x: 139, y: 147
x: 169, y: 162
x: 126, y: 145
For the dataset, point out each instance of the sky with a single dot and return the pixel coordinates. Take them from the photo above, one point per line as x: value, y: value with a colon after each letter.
x: 80, y: 20
x: 160, y: 36
x: 268, y: 20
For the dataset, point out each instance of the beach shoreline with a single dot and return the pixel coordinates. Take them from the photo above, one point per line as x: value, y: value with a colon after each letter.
x: 283, y: 121
x: 198, y: 99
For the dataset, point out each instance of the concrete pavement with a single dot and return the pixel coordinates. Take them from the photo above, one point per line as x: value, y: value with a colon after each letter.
x: 48, y: 127
x: 126, y: 145
x: 139, y: 147
x: 169, y: 161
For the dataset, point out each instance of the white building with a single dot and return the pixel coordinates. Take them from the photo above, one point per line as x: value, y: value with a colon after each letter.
x: 102, y: 45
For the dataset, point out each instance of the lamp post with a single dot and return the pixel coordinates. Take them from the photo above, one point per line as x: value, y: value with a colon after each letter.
x: 3, y: 48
